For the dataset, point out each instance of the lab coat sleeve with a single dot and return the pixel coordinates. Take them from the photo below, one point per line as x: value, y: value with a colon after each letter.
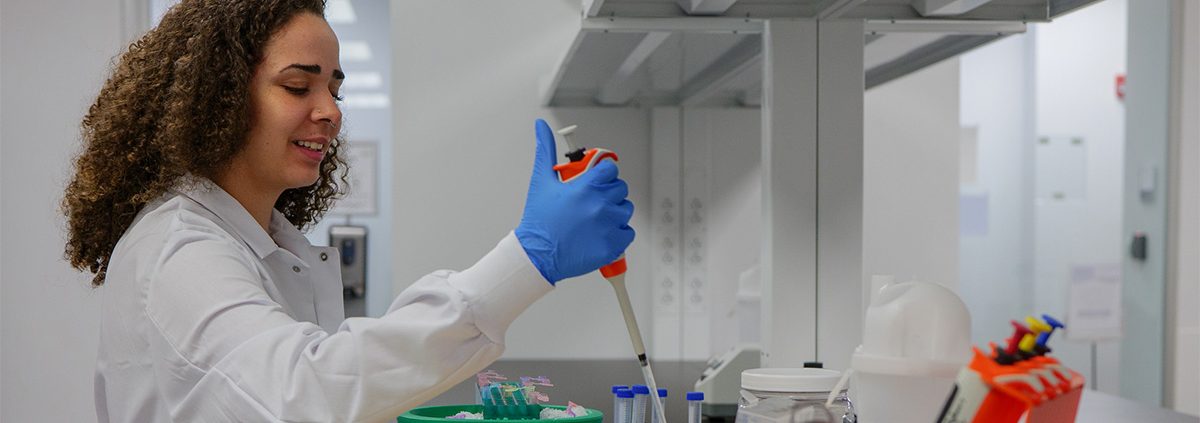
x: 224, y: 351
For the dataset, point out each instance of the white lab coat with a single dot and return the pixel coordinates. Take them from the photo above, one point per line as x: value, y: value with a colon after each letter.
x: 208, y: 318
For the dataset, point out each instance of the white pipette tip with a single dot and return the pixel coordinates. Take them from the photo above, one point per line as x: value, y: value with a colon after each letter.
x: 567, y: 130
x: 566, y: 133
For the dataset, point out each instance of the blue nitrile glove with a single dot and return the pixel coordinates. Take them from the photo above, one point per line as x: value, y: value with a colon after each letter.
x: 573, y: 228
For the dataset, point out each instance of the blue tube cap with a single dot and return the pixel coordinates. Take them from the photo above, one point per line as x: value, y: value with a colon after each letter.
x: 641, y: 389
x: 695, y: 396
x: 662, y: 392
x: 616, y: 388
x: 624, y: 393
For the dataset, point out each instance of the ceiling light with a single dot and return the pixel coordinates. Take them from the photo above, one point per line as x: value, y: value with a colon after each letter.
x: 356, y: 51
x: 367, y: 101
x: 363, y: 80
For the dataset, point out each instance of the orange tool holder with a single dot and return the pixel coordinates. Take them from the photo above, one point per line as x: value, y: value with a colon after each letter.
x: 1039, y: 388
x: 571, y: 170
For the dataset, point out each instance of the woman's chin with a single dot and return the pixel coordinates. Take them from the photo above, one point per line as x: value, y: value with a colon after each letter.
x: 302, y: 181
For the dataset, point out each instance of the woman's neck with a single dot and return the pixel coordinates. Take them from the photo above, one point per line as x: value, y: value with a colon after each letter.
x: 257, y: 200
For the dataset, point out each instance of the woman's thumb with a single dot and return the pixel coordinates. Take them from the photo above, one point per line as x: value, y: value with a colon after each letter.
x: 544, y: 157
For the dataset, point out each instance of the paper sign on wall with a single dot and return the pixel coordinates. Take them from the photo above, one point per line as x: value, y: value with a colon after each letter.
x: 1094, y: 303
x: 361, y: 198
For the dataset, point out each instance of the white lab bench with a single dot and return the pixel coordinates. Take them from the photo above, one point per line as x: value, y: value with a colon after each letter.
x: 1096, y: 407
x: 1099, y: 407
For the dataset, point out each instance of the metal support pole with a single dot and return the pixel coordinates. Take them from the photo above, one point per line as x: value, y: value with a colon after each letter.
x: 840, y: 278
x: 812, y: 116
x: 789, y: 192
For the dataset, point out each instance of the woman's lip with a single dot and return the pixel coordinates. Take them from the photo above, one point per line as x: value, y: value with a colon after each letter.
x: 312, y: 155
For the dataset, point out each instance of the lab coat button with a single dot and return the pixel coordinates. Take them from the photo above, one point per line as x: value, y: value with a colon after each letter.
x: 324, y: 256
x: 296, y: 269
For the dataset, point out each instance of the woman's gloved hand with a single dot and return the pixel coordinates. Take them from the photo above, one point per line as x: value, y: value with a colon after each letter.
x: 573, y: 228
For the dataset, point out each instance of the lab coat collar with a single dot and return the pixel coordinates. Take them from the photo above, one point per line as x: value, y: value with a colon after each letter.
x: 287, y: 237
x: 210, y: 196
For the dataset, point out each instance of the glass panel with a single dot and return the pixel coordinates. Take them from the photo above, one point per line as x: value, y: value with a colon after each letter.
x: 1043, y: 166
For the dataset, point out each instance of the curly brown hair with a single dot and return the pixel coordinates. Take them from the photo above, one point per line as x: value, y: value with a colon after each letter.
x: 182, y: 85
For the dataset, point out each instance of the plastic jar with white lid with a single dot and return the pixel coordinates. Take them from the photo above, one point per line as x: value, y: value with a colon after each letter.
x: 788, y: 395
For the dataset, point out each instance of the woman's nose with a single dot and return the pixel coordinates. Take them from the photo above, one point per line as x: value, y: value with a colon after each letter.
x: 329, y: 113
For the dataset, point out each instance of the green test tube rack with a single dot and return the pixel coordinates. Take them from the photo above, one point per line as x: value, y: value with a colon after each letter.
x: 440, y: 413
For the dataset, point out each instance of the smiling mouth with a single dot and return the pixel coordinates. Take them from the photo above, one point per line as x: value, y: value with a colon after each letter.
x: 314, y: 146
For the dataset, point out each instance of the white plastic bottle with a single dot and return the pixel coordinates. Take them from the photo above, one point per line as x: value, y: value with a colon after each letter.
x: 906, y: 379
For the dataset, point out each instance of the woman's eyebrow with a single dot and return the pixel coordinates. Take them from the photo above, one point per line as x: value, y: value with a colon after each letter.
x: 314, y: 69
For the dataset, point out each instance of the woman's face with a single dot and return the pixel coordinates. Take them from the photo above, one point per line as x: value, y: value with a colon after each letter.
x: 294, y: 113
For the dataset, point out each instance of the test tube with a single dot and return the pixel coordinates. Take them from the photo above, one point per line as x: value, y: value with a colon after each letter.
x: 694, y: 399
x: 623, y: 411
x: 662, y: 395
x: 641, y: 394
x: 617, y: 399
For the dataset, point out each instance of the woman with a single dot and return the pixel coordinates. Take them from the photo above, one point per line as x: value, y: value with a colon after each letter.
x: 213, y: 142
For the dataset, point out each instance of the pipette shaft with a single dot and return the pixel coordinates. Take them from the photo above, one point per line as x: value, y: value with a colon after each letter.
x: 635, y: 335
x: 656, y: 417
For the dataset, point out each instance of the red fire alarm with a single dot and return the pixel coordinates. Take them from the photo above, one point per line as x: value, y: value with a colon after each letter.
x: 1121, y: 86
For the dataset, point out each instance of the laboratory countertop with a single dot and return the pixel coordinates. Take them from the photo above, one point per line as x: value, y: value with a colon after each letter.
x: 1099, y: 407
x: 587, y: 382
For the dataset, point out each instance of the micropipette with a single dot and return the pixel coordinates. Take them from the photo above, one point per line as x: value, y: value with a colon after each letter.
x: 582, y: 160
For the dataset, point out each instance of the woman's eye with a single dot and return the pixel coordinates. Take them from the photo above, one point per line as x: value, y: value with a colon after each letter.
x: 338, y: 97
x: 296, y: 90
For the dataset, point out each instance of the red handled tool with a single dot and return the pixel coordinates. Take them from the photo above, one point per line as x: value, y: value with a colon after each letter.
x: 580, y: 161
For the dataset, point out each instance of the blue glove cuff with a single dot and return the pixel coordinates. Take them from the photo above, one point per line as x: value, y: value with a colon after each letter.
x: 539, y: 251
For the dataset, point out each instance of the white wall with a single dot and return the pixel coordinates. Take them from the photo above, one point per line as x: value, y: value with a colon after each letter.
x: 466, y: 94
x: 53, y: 62
x: 1183, y: 367
x: 732, y: 188
x: 910, y: 181
x: 995, y: 276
